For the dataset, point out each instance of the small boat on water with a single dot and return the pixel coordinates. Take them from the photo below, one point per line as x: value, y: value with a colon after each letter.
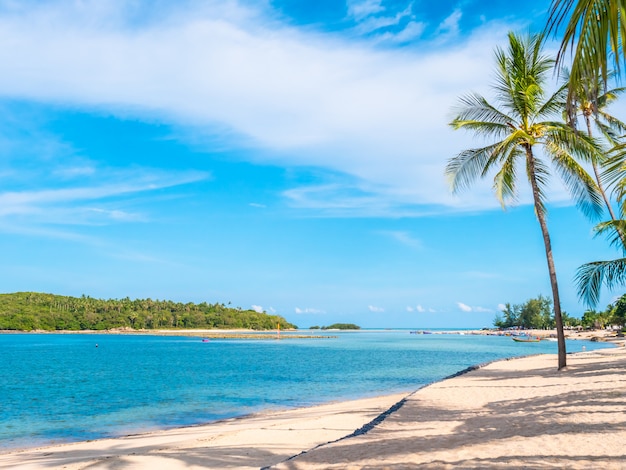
x: 526, y: 339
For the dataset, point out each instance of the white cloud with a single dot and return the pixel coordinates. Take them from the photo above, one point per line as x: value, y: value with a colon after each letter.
x: 257, y: 308
x: 374, y: 23
x: 417, y: 308
x: 375, y: 309
x: 467, y: 308
x: 79, y: 205
x: 411, y: 31
x: 378, y: 116
x: 420, y: 309
x: 410, y: 309
x: 449, y: 28
x: 308, y: 310
x: 501, y: 307
x: 359, y: 9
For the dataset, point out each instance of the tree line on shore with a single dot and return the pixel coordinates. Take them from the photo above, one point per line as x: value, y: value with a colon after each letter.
x: 28, y: 311
x: 538, y: 314
x: 336, y: 326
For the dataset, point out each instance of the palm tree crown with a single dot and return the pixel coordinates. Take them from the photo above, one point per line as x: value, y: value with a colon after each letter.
x: 595, y: 31
x: 524, y: 119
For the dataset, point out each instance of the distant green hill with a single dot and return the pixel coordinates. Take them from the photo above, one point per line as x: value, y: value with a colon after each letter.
x: 342, y: 326
x: 27, y: 311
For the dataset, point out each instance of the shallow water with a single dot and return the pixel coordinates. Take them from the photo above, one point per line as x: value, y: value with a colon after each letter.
x: 61, y: 387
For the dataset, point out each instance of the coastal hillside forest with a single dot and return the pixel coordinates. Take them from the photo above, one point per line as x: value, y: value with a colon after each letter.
x: 28, y: 311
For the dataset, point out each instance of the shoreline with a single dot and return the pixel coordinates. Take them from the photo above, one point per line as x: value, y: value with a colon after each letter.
x: 335, y: 434
x: 286, y: 432
x: 571, y: 334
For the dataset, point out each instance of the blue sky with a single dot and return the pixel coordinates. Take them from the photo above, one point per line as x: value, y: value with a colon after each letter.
x: 285, y: 156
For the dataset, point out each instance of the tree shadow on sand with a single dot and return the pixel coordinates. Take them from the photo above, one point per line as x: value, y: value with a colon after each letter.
x: 595, y: 407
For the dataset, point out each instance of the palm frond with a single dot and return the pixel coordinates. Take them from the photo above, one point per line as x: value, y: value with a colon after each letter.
x: 566, y: 148
x: 591, y: 276
x: 470, y: 164
x: 614, y: 230
x: 595, y: 31
x: 504, y: 182
x: 555, y: 104
x: 614, y: 167
x: 474, y: 107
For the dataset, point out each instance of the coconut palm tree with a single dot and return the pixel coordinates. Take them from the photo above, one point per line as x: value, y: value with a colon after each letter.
x: 592, y: 100
x: 524, y: 121
x: 595, y: 32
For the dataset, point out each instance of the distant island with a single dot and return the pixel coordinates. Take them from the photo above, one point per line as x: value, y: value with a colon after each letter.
x: 28, y: 311
x: 337, y: 326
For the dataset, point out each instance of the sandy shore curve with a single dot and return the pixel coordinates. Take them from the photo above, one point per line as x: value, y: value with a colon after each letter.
x: 518, y: 413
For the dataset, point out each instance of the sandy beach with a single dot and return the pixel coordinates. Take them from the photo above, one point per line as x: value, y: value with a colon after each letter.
x: 519, y: 413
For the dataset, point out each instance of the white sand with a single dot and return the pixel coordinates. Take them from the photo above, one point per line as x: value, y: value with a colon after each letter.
x: 250, y: 442
x: 521, y: 413
x: 515, y: 414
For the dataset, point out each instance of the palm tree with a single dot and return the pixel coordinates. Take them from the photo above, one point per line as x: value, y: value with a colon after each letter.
x: 595, y: 32
x: 592, y: 99
x: 519, y: 126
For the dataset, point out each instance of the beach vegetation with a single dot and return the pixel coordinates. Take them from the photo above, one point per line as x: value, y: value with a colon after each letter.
x: 528, y: 135
x: 28, y: 311
x: 618, y: 312
x: 613, y: 316
x: 341, y: 326
x: 535, y: 313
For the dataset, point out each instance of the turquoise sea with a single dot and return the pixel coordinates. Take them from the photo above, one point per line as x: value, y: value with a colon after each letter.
x: 61, y: 387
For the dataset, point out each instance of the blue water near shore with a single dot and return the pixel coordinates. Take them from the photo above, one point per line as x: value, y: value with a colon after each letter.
x: 61, y: 387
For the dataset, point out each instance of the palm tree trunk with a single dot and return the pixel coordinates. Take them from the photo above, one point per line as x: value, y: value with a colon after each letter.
x: 596, y: 172
x: 541, y: 217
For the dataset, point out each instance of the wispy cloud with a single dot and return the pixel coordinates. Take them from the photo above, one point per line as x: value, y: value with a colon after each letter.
x: 257, y: 308
x: 359, y: 9
x: 412, y: 31
x: 449, y: 28
x: 373, y: 308
x: 464, y: 307
x: 77, y: 205
x: 372, y: 23
x: 404, y: 238
x: 308, y: 310
x: 377, y: 115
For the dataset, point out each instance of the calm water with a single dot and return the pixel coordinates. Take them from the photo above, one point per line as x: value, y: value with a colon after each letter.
x: 57, y: 388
